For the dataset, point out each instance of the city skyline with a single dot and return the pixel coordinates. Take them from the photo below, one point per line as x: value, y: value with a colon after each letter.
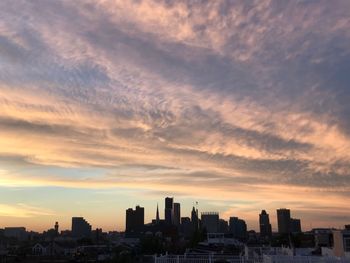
x: 254, y: 225
x: 241, y: 106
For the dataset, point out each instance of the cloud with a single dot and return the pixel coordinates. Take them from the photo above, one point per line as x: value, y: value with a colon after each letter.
x: 210, y: 93
x: 23, y: 211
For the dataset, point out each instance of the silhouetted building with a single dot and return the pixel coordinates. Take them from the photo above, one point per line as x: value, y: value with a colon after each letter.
x: 238, y: 228
x: 169, y: 210
x: 186, y: 226
x: 16, y: 232
x: 185, y: 220
x: 265, y: 226
x: 323, y: 237
x: 223, y: 226
x: 56, y: 229
x: 283, y: 220
x: 210, y: 221
x: 97, y: 235
x: 252, y: 237
x: 295, y: 225
x: 194, y: 219
x: 177, y: 214
x: 135, y: 219
x: 80, y: 227
x: 157, y: 215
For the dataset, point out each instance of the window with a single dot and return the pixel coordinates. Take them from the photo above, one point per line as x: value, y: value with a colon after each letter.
x: 347, y: 244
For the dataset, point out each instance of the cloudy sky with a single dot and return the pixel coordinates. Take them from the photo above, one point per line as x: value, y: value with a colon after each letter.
x: 239, y: 105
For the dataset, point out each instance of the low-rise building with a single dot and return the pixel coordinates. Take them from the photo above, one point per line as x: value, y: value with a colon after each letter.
x: 54, y: 248
x: 341, y: 243
x: 15, y: 232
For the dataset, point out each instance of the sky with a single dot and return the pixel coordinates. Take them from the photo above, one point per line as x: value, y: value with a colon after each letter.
x: 239, y: 105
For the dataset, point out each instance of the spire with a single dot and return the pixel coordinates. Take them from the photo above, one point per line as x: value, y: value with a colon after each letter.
x: 157, y: 215
x: 194, y: 218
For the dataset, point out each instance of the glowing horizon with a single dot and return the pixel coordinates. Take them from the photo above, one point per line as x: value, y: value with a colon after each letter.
x: 108, y: 104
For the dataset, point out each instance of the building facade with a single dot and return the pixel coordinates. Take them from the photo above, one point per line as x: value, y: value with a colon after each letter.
x: 194, y: 219
x: 135, y: 219
x: 265, y: 226
x: 177, y: 214
x: 169, y: 210
x: 283, y: 220
x: 80, y: 227
x: 210, y: 221
x: 238, y: 228
x: 295, y: 225
x: 341, y: 243
x: 16, y: 232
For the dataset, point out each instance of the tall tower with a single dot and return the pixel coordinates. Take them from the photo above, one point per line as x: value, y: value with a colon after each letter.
x: 283, y: 220
x: 177, y: 214
x: 169, y: 210
x: 157, y: 215
x: 80, y: 227
x: 194, y: 219
x: 56, y: 229
x: 265, y: 226
x: 135, y: 219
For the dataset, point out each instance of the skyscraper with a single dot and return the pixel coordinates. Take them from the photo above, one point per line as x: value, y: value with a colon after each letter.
x: 80, y: 227
x: 265, y: 226
x: 238, y: 227
x: 157, y: 215
x: 56, y: 229
x: 283, y: 220
x: 135, y: 219
x: 210, y: 221
x: 169, y: 210
x: 194, y: 219
x: 295, y: 225
x: 177, y: 214
x: 186, y: 226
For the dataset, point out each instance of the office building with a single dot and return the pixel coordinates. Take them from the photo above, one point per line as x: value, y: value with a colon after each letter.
x: 323, y: 237
x: 186, y: 226
x: 16, y: 232
x: 238, y: 228
x: 135, y: 219
x: 265, y: 226
x: 283, y: 220
x: 210, y: 221
x: 194, y: 219
x: 223, y: 226
x: 80, y: 227
x: 169, y: 210
x: 177, y: 214
x: 295, y: 225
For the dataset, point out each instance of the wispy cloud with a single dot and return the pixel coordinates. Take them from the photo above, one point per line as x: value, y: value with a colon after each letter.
x: 207, y: 93
x: 23, y: 211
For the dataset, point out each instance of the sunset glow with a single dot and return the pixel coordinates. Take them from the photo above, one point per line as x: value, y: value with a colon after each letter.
x: 239, y: 106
